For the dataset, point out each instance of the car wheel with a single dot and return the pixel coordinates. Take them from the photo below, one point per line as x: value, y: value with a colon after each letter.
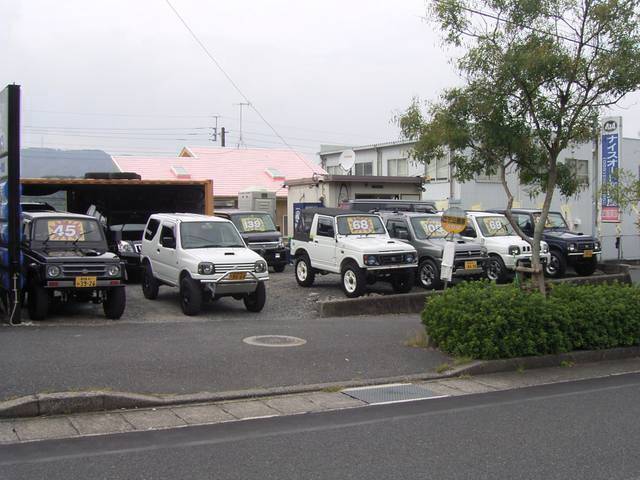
x: 429, y: 275
x: 279, y: 268
x: 403, y: 281
x: 354, y: 280
x: 254, y: 302
x: 305, y: 275
x: 190, y: 296
x: 150, y: 285
x: 114, y: 303
x: 584, y: 269
x: 556, y: 266
x: 496, y: 270
x: 38, y: 302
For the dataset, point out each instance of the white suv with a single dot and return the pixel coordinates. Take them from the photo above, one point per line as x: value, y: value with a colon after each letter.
x: 505, y: 248
x: 205, y: 257
x: 353, y: 244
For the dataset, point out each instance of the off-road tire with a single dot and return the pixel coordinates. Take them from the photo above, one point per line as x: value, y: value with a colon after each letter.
x: 279, y: 268
x: 556, y: 266
x: 496, y: 269
x: 428, y: 275
x: 354, y: 280
x: 254, y: 302
x: 149, y: 283
x: 190, y: 296
x: 114, y: 303
x: 584, y: 269
x: 305, y: 274
x: 37, y: 302
x: 403, y: 281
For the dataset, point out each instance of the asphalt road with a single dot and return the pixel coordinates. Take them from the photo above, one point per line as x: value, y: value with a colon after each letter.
x: 156, y: 349
x: 577, y: 430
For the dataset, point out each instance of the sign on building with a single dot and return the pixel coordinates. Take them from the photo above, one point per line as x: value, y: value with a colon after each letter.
x: 610, y: 140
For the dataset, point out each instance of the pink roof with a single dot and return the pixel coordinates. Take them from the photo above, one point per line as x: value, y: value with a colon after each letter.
x: 232, y: 170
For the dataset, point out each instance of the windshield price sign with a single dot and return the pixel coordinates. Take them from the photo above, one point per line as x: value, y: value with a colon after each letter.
x: 252, y: 224
x: 65, y: 230
x: 454, y: 220
x: 360, y: 225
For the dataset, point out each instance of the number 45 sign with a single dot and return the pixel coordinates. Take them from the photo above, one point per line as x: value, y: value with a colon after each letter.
x: 65, y: 230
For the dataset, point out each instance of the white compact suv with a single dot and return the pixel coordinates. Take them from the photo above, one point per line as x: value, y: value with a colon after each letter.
x: 505, y: 248
x: 205, y: 257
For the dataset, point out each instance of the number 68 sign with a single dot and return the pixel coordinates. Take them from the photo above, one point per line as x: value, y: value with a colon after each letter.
x: 360, y: 225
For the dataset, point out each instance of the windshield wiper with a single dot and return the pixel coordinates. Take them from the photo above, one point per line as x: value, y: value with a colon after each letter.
x: 75, y: 242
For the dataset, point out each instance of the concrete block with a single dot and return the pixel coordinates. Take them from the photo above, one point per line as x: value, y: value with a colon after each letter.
x: 100, y: 423
x: 293, y: 404
x: 7, y: 435
x: 198, y: 414
x: 155, y: 418
x: 467, y: 386
x: 44, y: 428
x: 248, y: 409
x: 334, y: 400
x: 69, y: 402
x: 26, y: 406
x: 442, y: 389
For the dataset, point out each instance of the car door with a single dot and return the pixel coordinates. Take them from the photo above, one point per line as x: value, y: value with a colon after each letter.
x: 166, y: 253
x: 470, y: 232
x: 399, y: 230
x: 524, y: 222
x: 325, y: 242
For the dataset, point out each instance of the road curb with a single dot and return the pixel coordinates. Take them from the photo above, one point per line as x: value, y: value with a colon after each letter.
x: 414, y: 302
x: 61, y: 403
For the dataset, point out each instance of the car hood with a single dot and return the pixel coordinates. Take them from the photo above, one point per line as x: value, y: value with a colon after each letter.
x: 461, y: 245
x: 224, y: 255
x: 566, y: 236
x: 506, y: 241
x: 374, y: 244
x: 70, y: 255
x: 259, y: 237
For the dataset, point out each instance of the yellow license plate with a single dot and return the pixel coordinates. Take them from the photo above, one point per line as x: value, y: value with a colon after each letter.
x: 588, y: 253
x: 85, y: 282
x: 237, y: 275
x: 470, y: 265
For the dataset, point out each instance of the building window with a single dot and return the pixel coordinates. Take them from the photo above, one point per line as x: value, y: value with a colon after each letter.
x: 336, y: 170
x: 397, y: 167
x: 579, y: 169
x: 438, y: 169
x: 363, y: 169
x: 488, y: 177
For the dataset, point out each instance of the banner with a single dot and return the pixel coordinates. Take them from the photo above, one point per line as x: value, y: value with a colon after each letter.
x: 610, y: 140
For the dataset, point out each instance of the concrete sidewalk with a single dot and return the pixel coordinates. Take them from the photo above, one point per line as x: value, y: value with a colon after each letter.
x: 78, y: 425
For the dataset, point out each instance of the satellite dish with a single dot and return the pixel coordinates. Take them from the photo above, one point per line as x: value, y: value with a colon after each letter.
x: 347, y: 159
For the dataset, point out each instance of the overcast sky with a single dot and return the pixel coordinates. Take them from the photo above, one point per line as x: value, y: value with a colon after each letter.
x: 125, y: 76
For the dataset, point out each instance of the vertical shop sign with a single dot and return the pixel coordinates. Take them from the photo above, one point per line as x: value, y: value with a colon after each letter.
x: 611, y: 137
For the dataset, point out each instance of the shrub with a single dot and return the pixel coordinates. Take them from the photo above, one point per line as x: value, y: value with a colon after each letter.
x: 483, y: 320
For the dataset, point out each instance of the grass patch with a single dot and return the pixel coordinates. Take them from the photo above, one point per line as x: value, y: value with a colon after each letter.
x: 443, y: 367
x: 418, y: 340
x: 462, y: 361
x: 335, y: 389
x: 567, y: 364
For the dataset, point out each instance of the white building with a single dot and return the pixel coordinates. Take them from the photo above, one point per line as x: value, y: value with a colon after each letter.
x: 394, y: 158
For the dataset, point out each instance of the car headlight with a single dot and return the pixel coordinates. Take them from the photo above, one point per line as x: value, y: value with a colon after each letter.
x: 261, y: 266
x: 596, y: 246
x: 370, y: 260
x: 572, y: 247
x: 544, y: 247
x: 53, y: 271
x: 514, y: 250
x: 280, y: 243
x: 113, y: 270
x: 125, y: 247
x: 483, y: 251
x: 206, y: 268
x: 410, y: 258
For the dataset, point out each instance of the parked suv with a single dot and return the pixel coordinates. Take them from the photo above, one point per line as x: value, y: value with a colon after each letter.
x: 505, y: 248
x: 205, y: 257
x: 567, y: 248
x: 66, y: 258
x: 380, y: 204
x: 425, y: 233
x: 260, y: 234
x: 355, y: 245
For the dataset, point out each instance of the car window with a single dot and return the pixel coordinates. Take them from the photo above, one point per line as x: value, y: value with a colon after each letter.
x: 360, y: 225
x: 209, y: 235
x: 325, y: 227
x: 469, y: 231
x: 152, y: 228
x: 428, y: 227
x: 167, y: 233
x: 524, y: 221
x: 554, y: 220
x: 253, y: 222
x: 495, y: 226
x: 60, y: 229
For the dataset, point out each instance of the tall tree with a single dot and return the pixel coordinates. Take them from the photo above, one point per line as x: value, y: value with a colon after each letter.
x: 536, y: 75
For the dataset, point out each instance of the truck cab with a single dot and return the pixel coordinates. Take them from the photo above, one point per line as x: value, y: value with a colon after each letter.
x: 355, y: 245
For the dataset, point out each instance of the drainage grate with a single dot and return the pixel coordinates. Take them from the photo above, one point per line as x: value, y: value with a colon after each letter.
x: 396, y: 392
x: 274, y: 341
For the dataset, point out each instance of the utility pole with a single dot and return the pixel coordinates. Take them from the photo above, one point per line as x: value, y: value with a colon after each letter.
x: 222, y: 136
x: 214, y: 135
x: 240, y: 140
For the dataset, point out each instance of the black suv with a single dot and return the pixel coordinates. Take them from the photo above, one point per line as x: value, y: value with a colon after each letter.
x: 260, y: 234
x: 66, y: 258
x: 567, y: 248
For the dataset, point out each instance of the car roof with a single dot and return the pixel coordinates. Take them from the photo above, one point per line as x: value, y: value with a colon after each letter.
x: 237, y: 211
x: 334, y: 212
x: 389, y: 214
x: 187, y: 217
x: 55, y: 214
x: 521, y: 210
x: 476, y: 213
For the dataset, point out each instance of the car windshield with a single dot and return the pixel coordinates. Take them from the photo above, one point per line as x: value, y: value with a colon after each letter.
x: 253, y: 222
x: 360, y: 225
x: 209, y: 235
x: 428, y: 227
x: 554, y: 220
x: 60, y: 229
x: 497, y: 226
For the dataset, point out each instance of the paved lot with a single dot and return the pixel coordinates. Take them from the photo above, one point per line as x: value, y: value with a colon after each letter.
x: 156, y: 349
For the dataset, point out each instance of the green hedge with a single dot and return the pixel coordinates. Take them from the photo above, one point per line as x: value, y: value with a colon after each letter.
x: 486, y: 321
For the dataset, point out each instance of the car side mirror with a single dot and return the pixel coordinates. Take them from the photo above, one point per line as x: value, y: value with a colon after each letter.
x: 402, y: 234
x: 278, y: 227
x: 168, y: 242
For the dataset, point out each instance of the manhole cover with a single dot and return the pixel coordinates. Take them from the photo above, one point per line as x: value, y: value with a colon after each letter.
x: 393, y: 393
x: 274, y: 341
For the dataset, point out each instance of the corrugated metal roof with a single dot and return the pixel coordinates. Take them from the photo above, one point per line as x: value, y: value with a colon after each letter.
x: 369, y: 147
x: 232, y: 170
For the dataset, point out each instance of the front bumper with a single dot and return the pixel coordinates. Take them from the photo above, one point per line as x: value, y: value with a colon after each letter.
x: 224, y: 285
x: 383, y: 268
x: 523, y: 260
x: 461, y: 267
x: 273, y: 256
x: 66, y: 284
x: 580, y: 257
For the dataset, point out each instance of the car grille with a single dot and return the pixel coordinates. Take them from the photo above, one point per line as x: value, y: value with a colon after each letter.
x: 468, y: 253
x: 391, y: 259
x: 230, y: 267
x: 137, y: 247
x: 585, y: 246
x: 526, y: 249
x: 263, y: 245
x: 95, y: 270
